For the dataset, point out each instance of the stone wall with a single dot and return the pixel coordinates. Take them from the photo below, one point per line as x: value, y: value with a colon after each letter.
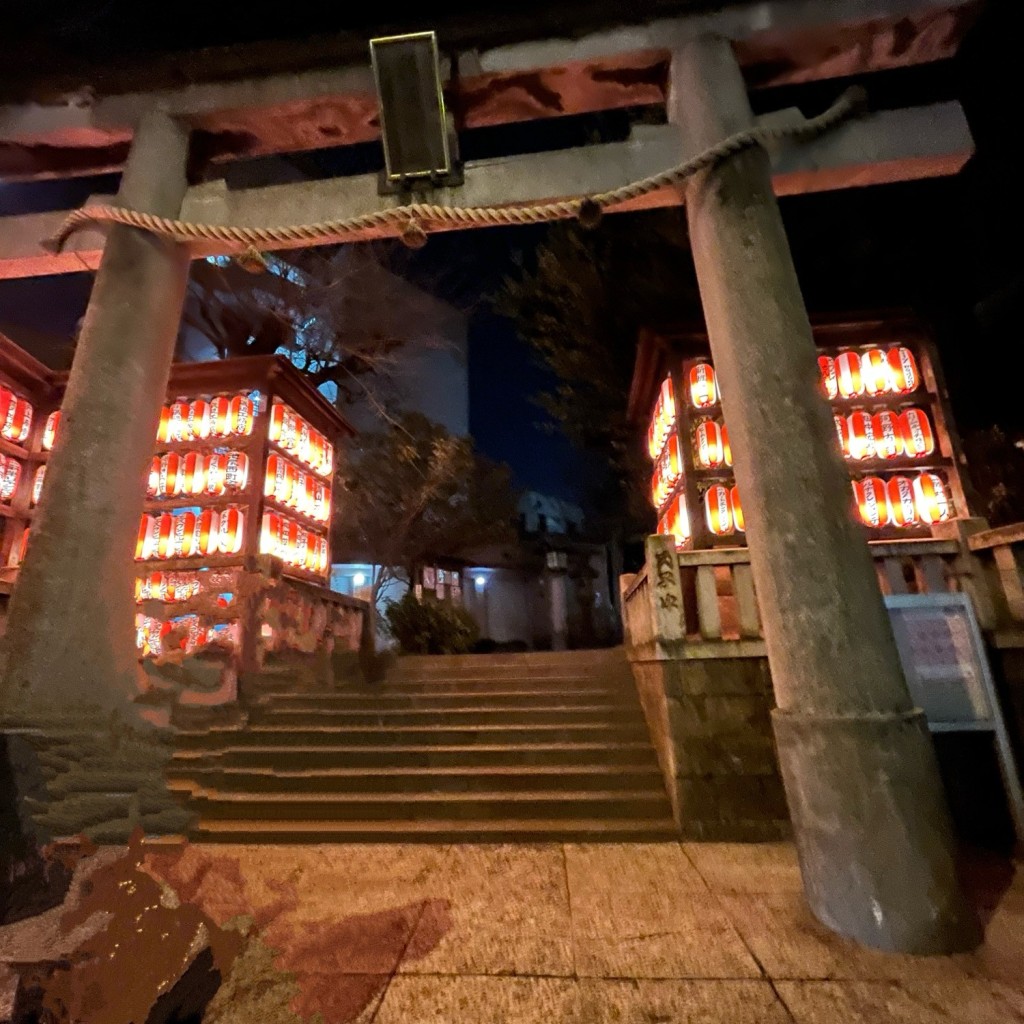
x: 709, y: 720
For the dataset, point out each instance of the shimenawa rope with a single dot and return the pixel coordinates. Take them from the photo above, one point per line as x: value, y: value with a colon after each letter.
x: 416, y: 219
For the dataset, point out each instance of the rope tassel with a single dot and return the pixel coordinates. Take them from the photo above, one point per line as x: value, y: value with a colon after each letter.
x: 413, y: 222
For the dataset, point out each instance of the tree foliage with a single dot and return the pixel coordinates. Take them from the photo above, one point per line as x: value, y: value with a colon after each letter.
x: 581, y: 307
x: 331, y: 309
x: 414, y: 493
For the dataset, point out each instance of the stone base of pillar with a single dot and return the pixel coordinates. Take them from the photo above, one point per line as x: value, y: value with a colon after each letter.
x: 94, y: 775
x: 873, y: 834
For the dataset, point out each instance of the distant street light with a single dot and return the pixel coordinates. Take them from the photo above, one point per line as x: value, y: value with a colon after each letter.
x: 358, y: 580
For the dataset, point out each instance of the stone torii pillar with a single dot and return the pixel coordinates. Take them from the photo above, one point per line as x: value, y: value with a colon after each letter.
x: 71, y: 656
x: 872, y: 828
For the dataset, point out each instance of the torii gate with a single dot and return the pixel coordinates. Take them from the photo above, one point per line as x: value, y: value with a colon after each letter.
x: 846, y: 730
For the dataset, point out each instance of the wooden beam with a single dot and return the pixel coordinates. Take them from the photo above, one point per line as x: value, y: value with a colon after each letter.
x: 783, y: 42
x: 888, y: 146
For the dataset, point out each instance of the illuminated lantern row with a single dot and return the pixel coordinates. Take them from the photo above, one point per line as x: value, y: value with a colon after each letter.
x: 10, y: 474
x: 155, y: 637
x: 196, y: 474
x: 885, y: 435
x: 676, y: 522
x: 172, y: 587
x: 891, y: 371
x: 188, y: 534
x: 167, y: 586
x: 15, y: 417
x: 291, y: 432
x: 902, y: 501
x: 286, y: 483
x: 703, y: 386
x: 722, y: 510
x: 200, y: 419
x: 295, y: 545
x: 664, y: 419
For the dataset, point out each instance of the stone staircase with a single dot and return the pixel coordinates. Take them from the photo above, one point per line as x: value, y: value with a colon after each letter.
x: 475, y: 748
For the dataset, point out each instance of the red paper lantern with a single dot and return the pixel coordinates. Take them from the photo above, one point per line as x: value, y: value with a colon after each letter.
x: 277, y: 423
x: 193, y: 473
x: 726, y: 447
x: 718, y: 510
x: 241, y: 414
x: 220, y: 416
x: 199, y: 419
x: 902, y: 370
x: 37, y: 485
x: 171, y: 476
x: 50, y: 430
x: 208, y: 532
x: 270, y: 535
x: 918, y: 437
x: 888, y: 434
x: 848, y: 375
x: 178, y: 427
x: 676, y: 521
x: 145, y: 544
x: 10, y: 474
x: 659, y: 487
x: 310, y: 559
x: 703, y: 386
x: 232, y: 528
x: 843, y: 433
x: 737, y: 510
x: 289, y: 540
x: 931, y: 498
x: 326, y: 467
x: 236, y: 471
x: 862, y: 436
x: 183, y: 542
x: 829, y: 381
x: 164, y: 530
x: 323, y: 555
x: 16, y: 421
x: 163, y: 430
x: 874, y: 368
x: 322, y: 502
x: 902, y: 506
x: 872, y: 501
x: 23, y: 546
x: 6, y: 405
x: 710, y: 451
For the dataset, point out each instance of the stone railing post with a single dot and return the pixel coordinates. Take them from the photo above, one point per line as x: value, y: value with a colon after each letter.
x: 665, y: 590
x: 869, y: 814
x: 968, y: 570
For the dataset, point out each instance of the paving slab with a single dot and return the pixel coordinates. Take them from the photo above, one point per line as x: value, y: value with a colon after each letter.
x: 509, y: 912
x: 448, y: 1000
x: 747, y: 867
x: 644, y: 912
x: 789, y: 942
x: 830, y: 1002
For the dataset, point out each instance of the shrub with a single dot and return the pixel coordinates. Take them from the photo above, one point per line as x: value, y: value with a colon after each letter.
x: 433, y: 627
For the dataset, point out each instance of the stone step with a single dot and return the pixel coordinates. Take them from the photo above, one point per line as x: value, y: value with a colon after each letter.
x: 384, y: 699
x: 520, y: 779
x: 527, y: 717
x: 438, y: 735
x: 487, y: 806
x: 284, y: 758
x: 511, y: 830
x: 499, y: 681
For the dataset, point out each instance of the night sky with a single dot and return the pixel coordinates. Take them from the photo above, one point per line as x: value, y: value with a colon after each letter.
x: 947, y: 249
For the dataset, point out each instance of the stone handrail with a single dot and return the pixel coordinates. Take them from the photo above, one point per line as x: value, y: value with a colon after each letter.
x: 702, y: 604
x: 999, y: 552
